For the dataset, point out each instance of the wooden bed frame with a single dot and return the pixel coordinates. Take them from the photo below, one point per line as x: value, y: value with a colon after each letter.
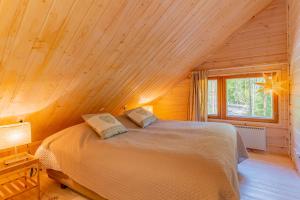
x: 66, y: 181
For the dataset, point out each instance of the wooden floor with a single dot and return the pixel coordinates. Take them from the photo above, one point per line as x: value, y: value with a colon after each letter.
x: 262, y: 177
x: 269, y: 177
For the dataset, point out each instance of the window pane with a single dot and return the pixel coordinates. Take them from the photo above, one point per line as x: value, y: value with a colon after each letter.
x: 244, y: 100
x: 212, y: 97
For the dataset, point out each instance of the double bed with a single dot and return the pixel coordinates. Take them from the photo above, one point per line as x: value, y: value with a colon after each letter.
x: 167, y: 160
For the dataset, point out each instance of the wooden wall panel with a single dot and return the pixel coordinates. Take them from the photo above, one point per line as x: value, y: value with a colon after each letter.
x: 294, y: 54
x: 262, y: 40
x: 61, y: 59
x: 174, y: 104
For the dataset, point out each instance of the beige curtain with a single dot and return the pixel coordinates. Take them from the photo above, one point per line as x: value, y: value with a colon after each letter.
x: 198, y: 96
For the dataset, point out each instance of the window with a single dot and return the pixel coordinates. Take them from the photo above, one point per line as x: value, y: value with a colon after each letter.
x: 237, y: 98
x: 243, y: 99
x: 212, y: 97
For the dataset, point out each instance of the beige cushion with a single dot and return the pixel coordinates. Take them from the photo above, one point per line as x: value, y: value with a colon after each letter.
x: 141, y: 117
x: 104, y: 124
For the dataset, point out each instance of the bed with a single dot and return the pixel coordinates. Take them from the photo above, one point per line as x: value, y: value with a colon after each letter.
x: 168, y: 160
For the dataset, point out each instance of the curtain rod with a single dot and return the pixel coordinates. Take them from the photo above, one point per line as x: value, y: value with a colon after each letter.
x: 246, y: 66
x: 277, y: 67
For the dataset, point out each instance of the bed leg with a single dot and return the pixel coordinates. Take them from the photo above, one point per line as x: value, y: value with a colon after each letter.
x: 62, y: 186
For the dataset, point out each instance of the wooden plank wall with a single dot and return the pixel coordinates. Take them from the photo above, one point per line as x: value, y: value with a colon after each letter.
x: 294, y: 55
x: 61, y: 59
x: 174, y: 104
x: 262, y: 40
x: 243, y: 54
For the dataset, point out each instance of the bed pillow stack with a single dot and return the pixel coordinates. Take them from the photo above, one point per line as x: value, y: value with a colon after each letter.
x: 141, y: 117
x: 104, y: 124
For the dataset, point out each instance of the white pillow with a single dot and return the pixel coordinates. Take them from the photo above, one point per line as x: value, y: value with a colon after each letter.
x: 141, y: 117
x: 104, y: 124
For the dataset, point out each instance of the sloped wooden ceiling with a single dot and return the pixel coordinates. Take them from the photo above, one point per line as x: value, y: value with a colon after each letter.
x: 262, y: 40
x: 61, y: 59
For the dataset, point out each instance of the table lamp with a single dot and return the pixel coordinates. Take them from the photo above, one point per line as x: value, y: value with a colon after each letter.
x: 13, y: 135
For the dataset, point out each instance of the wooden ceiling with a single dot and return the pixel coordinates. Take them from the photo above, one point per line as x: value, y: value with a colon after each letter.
x: 262, y: 40
x: 60, y: 59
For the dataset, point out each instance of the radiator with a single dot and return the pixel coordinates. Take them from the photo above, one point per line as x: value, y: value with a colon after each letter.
x: 253, y: 137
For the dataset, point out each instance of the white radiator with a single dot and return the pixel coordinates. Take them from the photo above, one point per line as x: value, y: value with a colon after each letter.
x: 253, y: 137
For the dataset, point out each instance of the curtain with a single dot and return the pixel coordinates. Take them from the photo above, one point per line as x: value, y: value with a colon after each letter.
x: 198, y: 96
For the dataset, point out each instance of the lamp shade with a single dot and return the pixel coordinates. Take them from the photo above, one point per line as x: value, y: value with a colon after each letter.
x: 15, y: 134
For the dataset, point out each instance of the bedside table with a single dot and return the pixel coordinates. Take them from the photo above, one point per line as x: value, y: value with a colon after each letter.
x: 19, y: 177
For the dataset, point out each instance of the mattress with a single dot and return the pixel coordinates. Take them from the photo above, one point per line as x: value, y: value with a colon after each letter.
x: 168, y: 160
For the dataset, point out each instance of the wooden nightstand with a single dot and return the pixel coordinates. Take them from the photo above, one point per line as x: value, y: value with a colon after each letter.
x: 20, y: 177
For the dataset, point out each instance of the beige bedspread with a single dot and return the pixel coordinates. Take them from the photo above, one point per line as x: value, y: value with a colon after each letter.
x: 169, y: 160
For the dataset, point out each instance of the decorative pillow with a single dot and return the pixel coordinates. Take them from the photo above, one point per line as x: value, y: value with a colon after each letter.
x: 141, y: 117
x: 104, y: 124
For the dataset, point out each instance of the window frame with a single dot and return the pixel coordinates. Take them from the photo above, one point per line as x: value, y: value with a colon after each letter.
x: 222, y: 98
